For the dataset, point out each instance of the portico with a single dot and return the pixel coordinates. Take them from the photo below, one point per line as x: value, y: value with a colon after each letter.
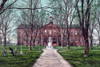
x: 49, y: 34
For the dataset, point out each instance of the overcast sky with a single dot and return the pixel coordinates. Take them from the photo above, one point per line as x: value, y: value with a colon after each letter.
x: 44, y: 2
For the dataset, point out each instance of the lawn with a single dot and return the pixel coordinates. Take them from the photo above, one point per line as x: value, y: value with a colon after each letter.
x: 27, y: 59
x: 76, y: 56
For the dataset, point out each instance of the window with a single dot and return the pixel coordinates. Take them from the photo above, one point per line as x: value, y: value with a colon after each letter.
x: 41, y: 32
x: 75, y: 32
x: 33, y: 32
x: 71, y: 32
x: 54, y: 40
x: 45, y: 40
x: 54, y: 31
x: 80, y: 40
x: 80, y: 32
x: 75, y: 39
x: 50, y: 32
x: 71, y: 39
x: 45, y: 31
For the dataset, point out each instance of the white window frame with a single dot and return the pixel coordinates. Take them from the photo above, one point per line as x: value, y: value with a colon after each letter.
x: 45, y: 31
x: 75, y: 32
x: 50, y: 32
x: 54, y: 31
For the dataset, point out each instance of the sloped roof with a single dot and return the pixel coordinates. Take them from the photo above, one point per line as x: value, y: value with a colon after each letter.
x: 23, y: 26
x: 50, y: 25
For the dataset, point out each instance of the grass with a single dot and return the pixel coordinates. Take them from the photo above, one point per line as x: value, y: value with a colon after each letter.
x: 27, y: 59
x: 76, y: 56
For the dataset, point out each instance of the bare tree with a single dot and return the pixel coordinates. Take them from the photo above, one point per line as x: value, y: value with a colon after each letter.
x: 64, y: 10
x: 3, y: 7
x: 6, y: 25
x: 93, y: 19
x: 2, y: 4
x: 98, y: 26
x: 84, y: 20
x: 91, y: 29
x: 98, y: 20
x: 35, y: 19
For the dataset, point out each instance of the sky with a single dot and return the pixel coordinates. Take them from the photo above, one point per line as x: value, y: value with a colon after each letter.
x: 20, y: 3
x: 44, y: 2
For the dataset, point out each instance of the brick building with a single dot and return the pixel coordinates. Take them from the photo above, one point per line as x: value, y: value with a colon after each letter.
x: 41, y: 35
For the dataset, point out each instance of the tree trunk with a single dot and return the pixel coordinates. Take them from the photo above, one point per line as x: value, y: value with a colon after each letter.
x: 61, y: 40
x: 30, y: 46
x: 27, y: 39
x: 91, y: 44
x: 4, y: 50
x: 99, y: 40
x: 30, y: 43
x: 86, y: 49
x: 68, y: 45
x: 31, y: 23
x: 86, y: 45
x: 4, y: 41
x: 27, y: 43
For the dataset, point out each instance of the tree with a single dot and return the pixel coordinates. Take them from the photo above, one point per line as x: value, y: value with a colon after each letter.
x: 2, y: 4
x: 93, y: 19
x: 84, y: 20
x: 98, y: 26
x: 63, y: 12
x: 91, y: 29
x: 3, y: 7
x: 98, y: 20
x: 35, y: 19
x: 6, y: 27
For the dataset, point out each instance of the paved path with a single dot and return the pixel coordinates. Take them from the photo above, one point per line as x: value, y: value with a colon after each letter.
x: 51, y: 58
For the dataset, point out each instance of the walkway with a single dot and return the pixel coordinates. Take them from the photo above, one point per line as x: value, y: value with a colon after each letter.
x: 51, y: 58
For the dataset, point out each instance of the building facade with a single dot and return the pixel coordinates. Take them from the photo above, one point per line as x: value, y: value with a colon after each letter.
x: 41, y: 35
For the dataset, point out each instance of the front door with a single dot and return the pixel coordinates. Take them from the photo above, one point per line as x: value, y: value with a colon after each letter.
x: 50, y: 40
